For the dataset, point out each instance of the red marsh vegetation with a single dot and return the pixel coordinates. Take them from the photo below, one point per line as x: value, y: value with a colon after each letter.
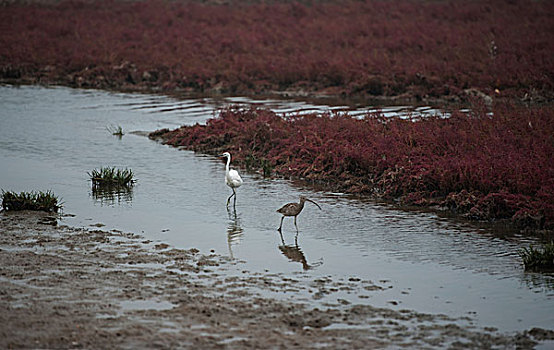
x: 481, y: 165
x: 404, y: 49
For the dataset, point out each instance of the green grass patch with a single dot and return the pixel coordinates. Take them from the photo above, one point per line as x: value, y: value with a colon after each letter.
x: 115, y: 130
x: 252, y: 162
x: 538, y: 259
x: 43, y: 201
x: 112, y: 177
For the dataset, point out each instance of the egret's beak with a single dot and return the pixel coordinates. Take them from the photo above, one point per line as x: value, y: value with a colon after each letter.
x: 309, y: 200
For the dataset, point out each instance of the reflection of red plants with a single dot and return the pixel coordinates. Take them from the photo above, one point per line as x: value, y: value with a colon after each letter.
x: 392, y: 48
x: 485, y: 166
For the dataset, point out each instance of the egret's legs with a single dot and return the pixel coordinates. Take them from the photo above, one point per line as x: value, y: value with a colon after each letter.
x: 231, y: 196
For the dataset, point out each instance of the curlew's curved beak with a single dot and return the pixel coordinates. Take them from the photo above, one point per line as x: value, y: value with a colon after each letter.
x: 309, y: 200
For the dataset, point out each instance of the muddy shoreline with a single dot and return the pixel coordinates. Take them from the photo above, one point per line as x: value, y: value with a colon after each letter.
x: 65, y: 287
x: 464, y: 100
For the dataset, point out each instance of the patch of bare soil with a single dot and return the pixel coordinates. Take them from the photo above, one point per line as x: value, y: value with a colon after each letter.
x: 65, y: 287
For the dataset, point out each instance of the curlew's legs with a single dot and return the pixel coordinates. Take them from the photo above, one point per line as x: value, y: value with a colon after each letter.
x: 281, y: 225
x: 279, y: 229
x: 282, y: 239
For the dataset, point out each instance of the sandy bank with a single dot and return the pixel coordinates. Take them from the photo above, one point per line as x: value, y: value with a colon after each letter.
x: 65, y: 287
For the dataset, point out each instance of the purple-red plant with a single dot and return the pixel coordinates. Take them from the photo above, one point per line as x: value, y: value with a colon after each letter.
x: 403, y: 49
x: 486, y: 166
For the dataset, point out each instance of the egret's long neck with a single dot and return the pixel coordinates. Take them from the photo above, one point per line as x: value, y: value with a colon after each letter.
x: 227, y: 166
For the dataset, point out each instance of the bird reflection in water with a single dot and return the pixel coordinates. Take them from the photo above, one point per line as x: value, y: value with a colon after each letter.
x: 294, y: 253
x: 234, y: 230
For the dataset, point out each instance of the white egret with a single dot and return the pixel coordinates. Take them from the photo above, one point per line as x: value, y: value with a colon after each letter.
x: 293, y: 209
x: 232, y: 178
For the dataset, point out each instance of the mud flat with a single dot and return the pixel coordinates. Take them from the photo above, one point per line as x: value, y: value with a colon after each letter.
x: 66, y: 287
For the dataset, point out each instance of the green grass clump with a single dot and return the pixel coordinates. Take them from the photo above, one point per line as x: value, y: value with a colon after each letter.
x: 541, y: 259
x: 115, y: 130
x: 252, y: 162
x: 43, y: 201
x: 112, y: 177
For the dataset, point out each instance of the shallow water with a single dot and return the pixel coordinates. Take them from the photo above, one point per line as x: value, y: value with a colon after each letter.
x: 51, y: 137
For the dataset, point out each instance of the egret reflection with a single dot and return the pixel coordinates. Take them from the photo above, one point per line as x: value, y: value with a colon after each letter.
x: 234, y: 229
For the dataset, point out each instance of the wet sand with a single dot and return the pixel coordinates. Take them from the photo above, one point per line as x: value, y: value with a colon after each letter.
x: 65, y: 287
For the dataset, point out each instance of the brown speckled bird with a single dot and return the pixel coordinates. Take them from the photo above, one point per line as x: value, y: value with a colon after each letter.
x: 293, y: 209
